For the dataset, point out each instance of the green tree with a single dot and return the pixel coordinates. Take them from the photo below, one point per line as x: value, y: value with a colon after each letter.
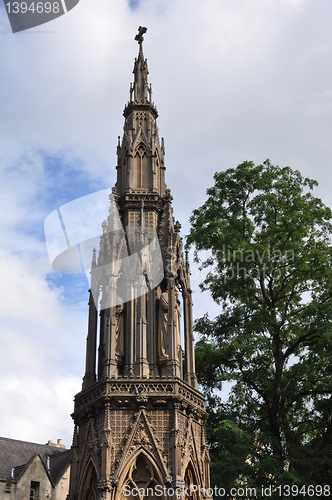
x: 268, y: 259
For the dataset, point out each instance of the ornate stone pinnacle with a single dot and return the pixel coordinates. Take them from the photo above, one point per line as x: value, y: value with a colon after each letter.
x: 94, y: 260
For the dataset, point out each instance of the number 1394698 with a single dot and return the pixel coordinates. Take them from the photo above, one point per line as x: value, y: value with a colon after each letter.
x: 33, y: 7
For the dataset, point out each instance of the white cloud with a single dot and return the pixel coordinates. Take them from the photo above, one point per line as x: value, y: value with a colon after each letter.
x: 36, y: 408
x: 35, y: 337
x: 232, y: 80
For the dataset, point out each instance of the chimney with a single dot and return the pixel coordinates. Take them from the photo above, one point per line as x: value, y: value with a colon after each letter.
x: 60, y: 444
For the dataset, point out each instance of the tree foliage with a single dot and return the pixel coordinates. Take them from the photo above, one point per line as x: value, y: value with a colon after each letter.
x: 268, y: 257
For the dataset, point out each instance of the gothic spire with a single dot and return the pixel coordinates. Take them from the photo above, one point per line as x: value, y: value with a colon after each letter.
x: 141, y: 72
x: 140, y: 153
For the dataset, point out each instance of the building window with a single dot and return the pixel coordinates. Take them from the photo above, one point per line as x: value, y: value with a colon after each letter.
x: 34, y: 490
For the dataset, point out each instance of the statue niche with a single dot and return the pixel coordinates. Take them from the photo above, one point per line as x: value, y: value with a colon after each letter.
x: 162, y: 343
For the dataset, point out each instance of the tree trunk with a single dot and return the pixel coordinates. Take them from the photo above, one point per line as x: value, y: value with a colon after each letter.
x: 274, y: 412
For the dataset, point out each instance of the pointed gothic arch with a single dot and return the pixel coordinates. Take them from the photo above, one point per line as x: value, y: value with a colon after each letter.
x: 192, y: 460
x: 141, y: 166
x: 191, y: 478
x: 89, y: 484
x: 141, y: 474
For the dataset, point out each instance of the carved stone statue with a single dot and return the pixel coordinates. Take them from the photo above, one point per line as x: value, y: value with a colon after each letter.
x: 178, y: 331
x: 119, y: 337
x: 162, y: 326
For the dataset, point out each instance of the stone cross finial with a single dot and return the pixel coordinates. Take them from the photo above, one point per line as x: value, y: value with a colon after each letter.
x: 139, y: 37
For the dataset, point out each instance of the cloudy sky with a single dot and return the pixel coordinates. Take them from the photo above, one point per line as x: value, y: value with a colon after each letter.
x: 232, y: 80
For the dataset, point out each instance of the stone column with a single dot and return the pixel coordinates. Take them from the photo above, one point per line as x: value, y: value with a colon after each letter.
x: 104, y: 483
x: 103, y: 326
x: 111, y: 369
x: 90, y: 362
x: 192, y: 378
x: 152, y: 332
x: 178, y: 481
x: 73, y: 468
x: 141, y: 363
x: 172, y: 365
x: 187, y: 367
x: 154, y: 174
x: 130, y: 331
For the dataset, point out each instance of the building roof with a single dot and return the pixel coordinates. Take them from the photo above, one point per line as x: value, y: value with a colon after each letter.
x: 59, y: 463
x: 15, y: 454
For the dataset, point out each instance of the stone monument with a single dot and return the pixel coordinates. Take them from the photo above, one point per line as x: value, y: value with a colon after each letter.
x: 139, y: 421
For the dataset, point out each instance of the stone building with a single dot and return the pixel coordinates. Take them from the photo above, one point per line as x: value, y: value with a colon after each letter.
x: 139, y: 421
x: 31, y: 471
